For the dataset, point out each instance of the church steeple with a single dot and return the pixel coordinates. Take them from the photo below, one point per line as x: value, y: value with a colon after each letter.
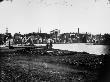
x: 40, y: 30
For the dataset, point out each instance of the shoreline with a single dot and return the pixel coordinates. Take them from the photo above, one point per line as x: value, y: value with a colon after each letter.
x: 76, y: 47
x: 41, y: 63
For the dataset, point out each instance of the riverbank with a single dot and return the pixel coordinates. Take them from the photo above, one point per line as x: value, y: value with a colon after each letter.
x: 49, y: 65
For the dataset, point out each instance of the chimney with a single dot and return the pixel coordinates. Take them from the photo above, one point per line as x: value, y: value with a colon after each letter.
x: 40, y: 30
x: 6, y: 30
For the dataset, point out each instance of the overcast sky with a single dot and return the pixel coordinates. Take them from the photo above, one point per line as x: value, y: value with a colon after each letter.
x: 26, y: 16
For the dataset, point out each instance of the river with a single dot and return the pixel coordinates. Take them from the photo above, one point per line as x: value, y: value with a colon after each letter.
x: 83, y: 47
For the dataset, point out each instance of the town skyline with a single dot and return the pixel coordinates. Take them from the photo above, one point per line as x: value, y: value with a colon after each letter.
x: 39, y: 30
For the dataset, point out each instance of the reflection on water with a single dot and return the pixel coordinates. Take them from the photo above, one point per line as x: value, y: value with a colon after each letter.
x: 80, y: 47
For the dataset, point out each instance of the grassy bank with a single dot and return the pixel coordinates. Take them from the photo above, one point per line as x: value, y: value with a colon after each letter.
x: 39, y: 65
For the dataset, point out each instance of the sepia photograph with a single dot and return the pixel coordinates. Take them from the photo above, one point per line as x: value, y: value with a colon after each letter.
x: 54, y: 41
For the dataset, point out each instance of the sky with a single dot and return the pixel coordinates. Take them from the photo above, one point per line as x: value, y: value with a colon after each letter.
x: 27, y: 16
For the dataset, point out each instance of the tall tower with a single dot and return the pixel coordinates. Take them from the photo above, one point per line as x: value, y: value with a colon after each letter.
x: 40, y: 30
x: 6, y: 30
x: 78, y: 31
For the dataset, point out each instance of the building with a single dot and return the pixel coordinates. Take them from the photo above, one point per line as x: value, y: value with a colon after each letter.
x: 55, y: 35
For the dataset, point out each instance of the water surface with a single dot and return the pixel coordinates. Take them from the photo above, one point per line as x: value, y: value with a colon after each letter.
x: 81, y: 47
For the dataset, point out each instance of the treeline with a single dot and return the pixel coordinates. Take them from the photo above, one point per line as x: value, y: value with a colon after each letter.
x: 106, y: 39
